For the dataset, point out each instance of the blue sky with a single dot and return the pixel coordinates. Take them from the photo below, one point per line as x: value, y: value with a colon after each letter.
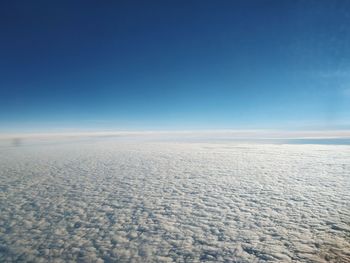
x: 174, y: 65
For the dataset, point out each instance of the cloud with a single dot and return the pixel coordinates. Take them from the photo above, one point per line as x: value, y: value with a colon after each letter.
x: 124, y: 201
x: 339, y: 73
x: 346, y: 92
x: 187, y: 135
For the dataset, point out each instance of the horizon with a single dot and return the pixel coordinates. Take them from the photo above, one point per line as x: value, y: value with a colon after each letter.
x: 325, y: 137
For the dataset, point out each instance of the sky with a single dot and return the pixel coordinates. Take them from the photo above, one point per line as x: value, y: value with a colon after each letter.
x: 160, y: 65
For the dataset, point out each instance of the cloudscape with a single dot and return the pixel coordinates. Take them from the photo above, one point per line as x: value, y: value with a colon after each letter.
x: 175, y: 131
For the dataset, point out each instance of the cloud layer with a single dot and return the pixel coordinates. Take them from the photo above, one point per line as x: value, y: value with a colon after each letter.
x: 105, y: 201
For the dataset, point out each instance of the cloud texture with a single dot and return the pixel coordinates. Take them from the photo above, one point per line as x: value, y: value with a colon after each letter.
x: 174, y: 202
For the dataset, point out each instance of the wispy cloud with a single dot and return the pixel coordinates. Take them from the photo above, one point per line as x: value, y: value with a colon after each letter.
x: 337, y: 73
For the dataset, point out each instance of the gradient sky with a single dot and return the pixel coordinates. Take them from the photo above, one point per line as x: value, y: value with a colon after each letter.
x: 174, y: 64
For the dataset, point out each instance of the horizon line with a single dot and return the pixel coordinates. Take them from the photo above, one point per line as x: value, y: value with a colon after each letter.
x: 213, y: 133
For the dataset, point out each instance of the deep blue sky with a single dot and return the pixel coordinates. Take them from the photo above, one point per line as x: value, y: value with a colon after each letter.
x: 174, y: 64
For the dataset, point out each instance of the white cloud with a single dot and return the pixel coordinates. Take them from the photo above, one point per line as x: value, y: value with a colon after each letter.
x: 183, y: 135
x: 117, y: 200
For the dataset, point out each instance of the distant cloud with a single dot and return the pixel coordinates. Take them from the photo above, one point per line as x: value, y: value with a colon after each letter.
x: 189, y: 134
